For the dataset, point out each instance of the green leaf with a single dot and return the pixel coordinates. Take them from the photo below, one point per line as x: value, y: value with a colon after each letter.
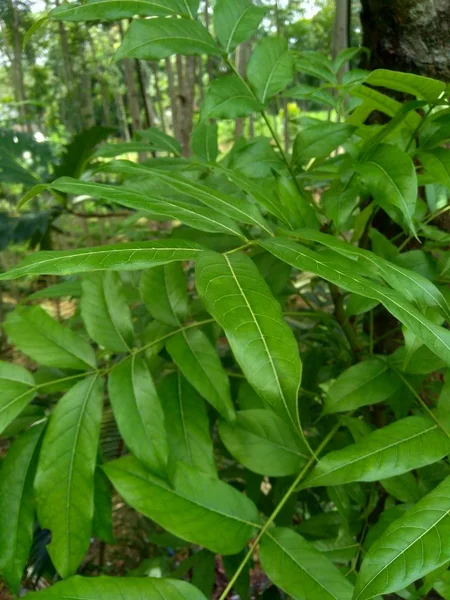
x: 188, y: 430
x: 228, y: 98
x: 105, y: 311
x: 16, y: 392
x: 391, y: 178
x: 270, y: 68
x: 412, y: 546
x: 373, y: 100
x: 102, y: 524
x: 366, y: 383
x: 304, y: 573
x: 200, y: 509
x: 17, y: 506
x: 236, y: 295
x: 117, y: 257
x: 197, y: 359
x: 138, y: 413
x: 264, y: 443
x: 437, y: 164
x: 153, y: 39
x: 421, y: 87
x: 235, y: 21
x: 113, y: 150
x: 345, y: 56
x: 65, y: 475
x: 161, y: 141
x: 318, y: 67
x: 48, y: 342
x: 113, y: 10
x: 319, y: 140
x: 296, y: 204
x: 125, y: 588
x: 164, y: 292
x: 400, y: 447
x: 204, y: 141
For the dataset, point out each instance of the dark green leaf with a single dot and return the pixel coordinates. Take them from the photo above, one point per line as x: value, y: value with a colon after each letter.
x: 437, y: 164
x: 235, y: 21
x: 102, y: 525
x: 113, y: 10
x: 204, y: 141
x: 16, y: 392
x: 227, y: 98
x: 319, y: 140
x: 164, y: 291
x: 271, y: 68
x: 160, y: 140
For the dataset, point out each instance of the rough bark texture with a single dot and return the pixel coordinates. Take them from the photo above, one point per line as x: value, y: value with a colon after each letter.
x: 408, y: 35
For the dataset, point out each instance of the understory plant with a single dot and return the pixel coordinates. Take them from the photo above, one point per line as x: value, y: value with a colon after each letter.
x: 274, y: 360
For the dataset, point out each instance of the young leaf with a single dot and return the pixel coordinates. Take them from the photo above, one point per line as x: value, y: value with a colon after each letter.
x: 65, y: 475
x: 264, y: 443
x: 127, y: 588
x: 368, y: 382
x: 197, y: 359
x: 304, y: 573
x: 235, y: 21
x: 228, y: 98
x: 236, y: 295
x: 412, y: 546
x: 117, y: 257
x: 200, y: 509
x: 164, y: 292
x: 188, y: 430
x: 204, y: 141
x: 391, y: 178
x: 105, y: 311
x: 114, y: 10
x: 16, y: 392
x: 48, y: 342
x: 271, y: 68
x: 153, y: 39
x: 17, y: 506
x: 437, y: 163
x: 138, y: 413
x: 398, y: 448
x: 319, y: 140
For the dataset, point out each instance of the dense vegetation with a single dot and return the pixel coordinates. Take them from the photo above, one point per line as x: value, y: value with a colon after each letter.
x: 255, y: 355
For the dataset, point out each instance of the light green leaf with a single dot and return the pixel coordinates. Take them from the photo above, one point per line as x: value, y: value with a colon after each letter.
x: 16, y: 392
x: 138, y: 413
x: 423, y: 88
x: 65, y: 476
x: 197, y: 359
x: 228, y: 98
x: 153, y: 39
x: 391, y: 178
x: 400, y: 447
x: 374, y: 100
x: 17, y: 506
x: 113, y: 10
x: 271, y: 68
x: 125, y: 588
x: 164, y: 291
x: 188, y: 429
x: 113, y: 150
x: 105, y: 311
x: 437, y: 164
x: 204, y: 141
x: 366, y: 383
x: 319, y: 140
x: 264, y: 443
x: 48, y: 342
x: 236, y: 295
x: 117, y: 257
x: 344, y: 57
x: 200, y: 509
x: 411, y: 547
x: 161, y: 141
x: 295, y: 566
x: 298, y: 205
x: 235, y: 21
x: 318, y: 67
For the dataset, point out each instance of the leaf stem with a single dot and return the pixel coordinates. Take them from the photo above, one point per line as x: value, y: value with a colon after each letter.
x: 277, y: 510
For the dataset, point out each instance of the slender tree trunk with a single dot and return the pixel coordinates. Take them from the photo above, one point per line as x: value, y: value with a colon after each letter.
x: 122, y: 117
x: 185, y: 97
x: 17, y: 67
x: 144, y: 96
x: 242, y: 56
x: 159, y: 99
x: 340, y: 32
x: 106, y: 99
x: 132, y: 92
x: 173, y: 97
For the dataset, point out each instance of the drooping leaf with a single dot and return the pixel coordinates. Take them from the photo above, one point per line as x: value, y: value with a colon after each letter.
x: 125, y: 588
x: 105, y: 311
x: 160, y: 140
x: 164, y: 292
x: 65, y: 475
x: 400, y: 447
x: 294, y: 565
x: 421, y: 87
x: 121, y: 148
x: 153, y: 39
x: 199, y: 508
x: 48, y: 342
x: 236, y: 295
x: 17, y: 506
x: 113, y: 10
x: 188, y: 429
x: 228, y: 98
x: 117, y: 257
x: 235, y: 21
x: 138, y: 413
x: 319, y: 140
x: 264, y: 443
x: 411, y: 547
x: 271, y: 68
x: 197, y: 359
x: 204, y: 141
x: 16, y: 392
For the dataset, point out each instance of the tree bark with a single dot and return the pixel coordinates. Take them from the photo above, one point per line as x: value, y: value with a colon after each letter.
x: 159, y: 98
x: 408, y: 35
x: 185, y: 97
x: 340, y: 32
x: 17, y: 67
x: 242, y: 56
x: 132, y: 92
x: 173, y: 97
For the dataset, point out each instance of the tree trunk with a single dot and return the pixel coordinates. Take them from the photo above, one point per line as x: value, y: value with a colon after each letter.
x: 104, y: 90
x: 132, y: 92
x: 242, y: 56
x: 148, y: 111
x: 185, y: 97
x: 408, y: 35
x: 17, y: 67
x: 340, y: 31
x: 173, y: 98
x: 159, y: 98
x: 122, y: 117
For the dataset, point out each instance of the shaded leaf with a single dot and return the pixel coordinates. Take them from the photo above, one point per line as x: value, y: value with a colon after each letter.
x: 319, y: 140
x: 16, y: 392
x: 164, y: 292
x: 204, y: 141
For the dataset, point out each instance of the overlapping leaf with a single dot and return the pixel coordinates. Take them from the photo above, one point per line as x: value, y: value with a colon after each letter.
x: 16, y: 392
x: 163, y: 290
x: 271, y: 68
x: 227, y: 98
x: 113, y: 10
